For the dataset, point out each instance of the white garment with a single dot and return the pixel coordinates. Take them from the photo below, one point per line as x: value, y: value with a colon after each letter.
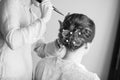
x: 54, y: 68
x: 19, y: 30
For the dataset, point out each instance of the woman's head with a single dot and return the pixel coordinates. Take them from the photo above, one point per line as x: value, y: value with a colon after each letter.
x: 76, y: 30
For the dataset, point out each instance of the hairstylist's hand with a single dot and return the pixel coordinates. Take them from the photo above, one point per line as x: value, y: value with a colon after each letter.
x: 46, y: 10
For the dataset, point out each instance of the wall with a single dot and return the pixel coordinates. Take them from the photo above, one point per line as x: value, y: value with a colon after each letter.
x: 104, y: 14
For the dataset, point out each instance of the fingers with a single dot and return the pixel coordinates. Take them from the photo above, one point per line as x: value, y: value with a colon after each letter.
x: 46, y: 10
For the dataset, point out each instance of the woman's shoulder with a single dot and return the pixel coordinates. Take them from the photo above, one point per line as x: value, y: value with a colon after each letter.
x: 96, y: 77
x: 90, y: 74
x: 51, y: 61
x: 75, y: 72
x: 48, y: 67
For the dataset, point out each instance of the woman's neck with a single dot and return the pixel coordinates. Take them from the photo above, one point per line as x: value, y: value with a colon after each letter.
x: 74, y: 57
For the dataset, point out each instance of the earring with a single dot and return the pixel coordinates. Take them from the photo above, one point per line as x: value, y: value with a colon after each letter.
x: 86, y: 46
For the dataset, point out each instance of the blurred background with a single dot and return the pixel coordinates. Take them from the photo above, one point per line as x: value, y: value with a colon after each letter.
x: 105, y: 14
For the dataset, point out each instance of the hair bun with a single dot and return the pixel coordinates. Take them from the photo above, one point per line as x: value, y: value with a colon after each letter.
x: 76, y: 30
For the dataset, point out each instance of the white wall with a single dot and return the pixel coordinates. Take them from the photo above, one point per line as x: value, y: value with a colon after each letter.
x: 104, y: 14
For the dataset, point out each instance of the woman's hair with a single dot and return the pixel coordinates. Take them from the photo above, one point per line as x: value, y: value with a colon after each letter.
x: 76, y: 30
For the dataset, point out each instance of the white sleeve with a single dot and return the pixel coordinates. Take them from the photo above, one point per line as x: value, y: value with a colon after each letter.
x: 11, y: 31
x: 46, y: 8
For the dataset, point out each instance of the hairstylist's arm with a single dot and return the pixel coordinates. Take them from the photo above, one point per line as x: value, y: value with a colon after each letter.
x: 45, y: 49
x: 16, y: 36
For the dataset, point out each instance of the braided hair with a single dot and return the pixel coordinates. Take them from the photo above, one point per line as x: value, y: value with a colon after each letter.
x: 76, y: 30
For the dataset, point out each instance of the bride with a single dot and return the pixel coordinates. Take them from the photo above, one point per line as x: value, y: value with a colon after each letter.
x: 61, y: 59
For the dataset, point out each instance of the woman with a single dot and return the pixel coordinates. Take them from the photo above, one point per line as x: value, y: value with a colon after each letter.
x: 20, y: 28
x: 64, y: 62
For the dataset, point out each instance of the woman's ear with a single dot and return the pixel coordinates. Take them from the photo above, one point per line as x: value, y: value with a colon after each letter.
x: 61, y: 23
x: 83, y: 50
x: 87, y: 47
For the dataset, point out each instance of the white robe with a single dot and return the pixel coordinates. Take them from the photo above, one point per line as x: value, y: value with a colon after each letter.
x: 52, y: 67
x: 55, y: 68
x: 19, y: 30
